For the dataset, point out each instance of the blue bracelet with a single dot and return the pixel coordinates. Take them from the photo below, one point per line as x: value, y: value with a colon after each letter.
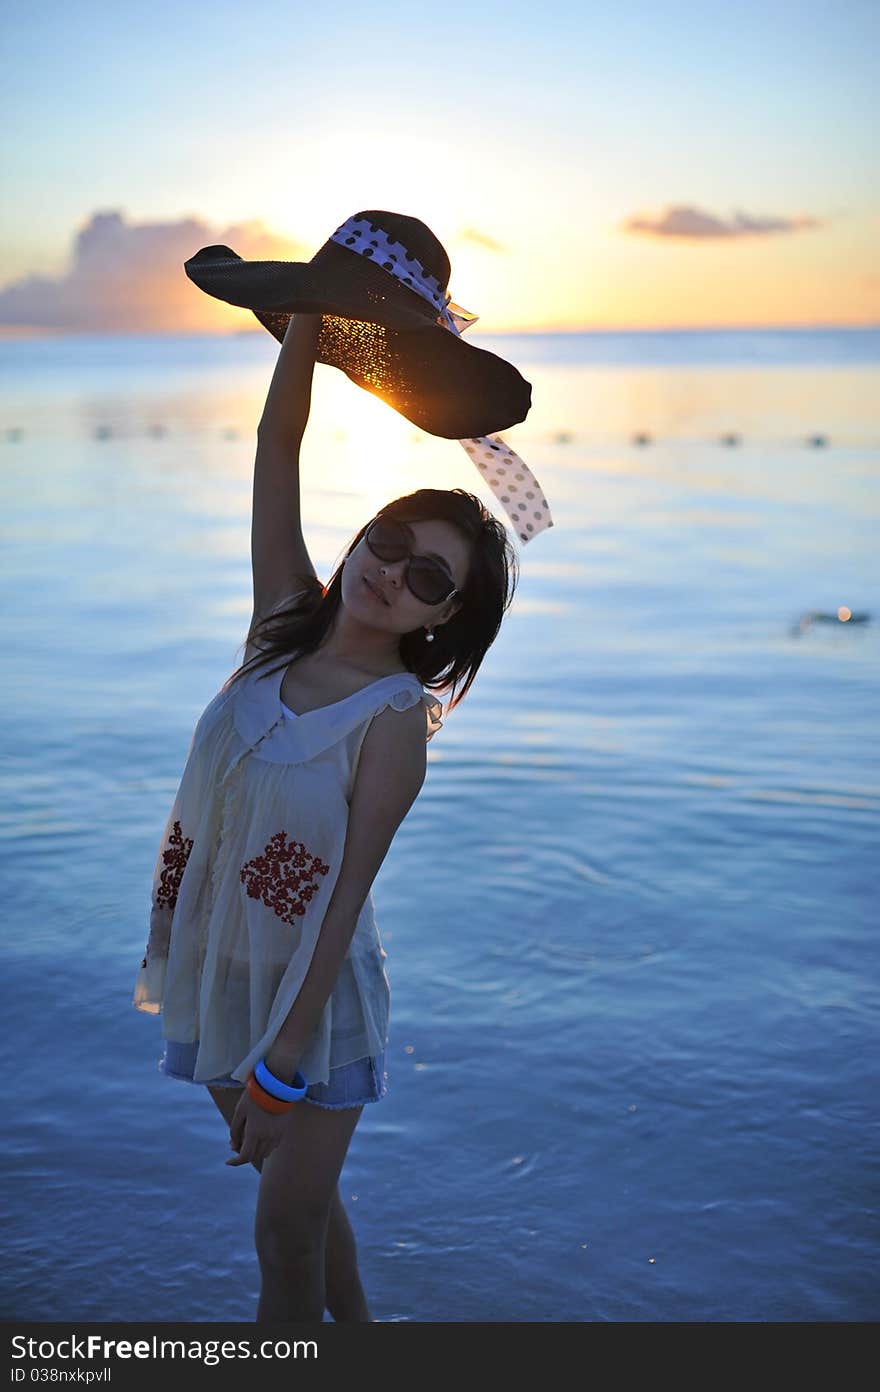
x: 276, y: 1088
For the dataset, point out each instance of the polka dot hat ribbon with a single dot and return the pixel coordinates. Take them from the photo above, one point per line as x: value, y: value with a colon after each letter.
x: 509, y: 478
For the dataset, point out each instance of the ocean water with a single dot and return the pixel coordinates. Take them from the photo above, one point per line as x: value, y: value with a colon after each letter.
x: 631, y: 920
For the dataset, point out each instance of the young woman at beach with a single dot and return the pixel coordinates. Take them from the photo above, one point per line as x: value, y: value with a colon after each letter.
x: 264, y: 954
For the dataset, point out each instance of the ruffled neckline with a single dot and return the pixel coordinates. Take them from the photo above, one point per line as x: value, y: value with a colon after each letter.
x: 278, y: 680
x: 260, y: 719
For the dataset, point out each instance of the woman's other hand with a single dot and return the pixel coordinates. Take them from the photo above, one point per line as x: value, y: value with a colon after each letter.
x: 254, y: 1132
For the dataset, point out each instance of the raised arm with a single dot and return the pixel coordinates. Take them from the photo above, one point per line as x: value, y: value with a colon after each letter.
x: 278, y: 550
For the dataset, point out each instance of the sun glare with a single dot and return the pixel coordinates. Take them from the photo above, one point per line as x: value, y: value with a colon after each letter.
x: 364, y: 450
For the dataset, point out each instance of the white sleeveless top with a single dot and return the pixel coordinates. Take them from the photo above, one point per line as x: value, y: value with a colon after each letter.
x: 245, y: 871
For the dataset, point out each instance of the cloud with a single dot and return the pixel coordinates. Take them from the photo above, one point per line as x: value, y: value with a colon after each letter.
x: 129, y: 278
x: 471, y: 234
x: 692, y: 224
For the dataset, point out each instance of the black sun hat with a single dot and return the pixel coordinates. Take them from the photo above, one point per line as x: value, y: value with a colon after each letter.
x: 387, y: 321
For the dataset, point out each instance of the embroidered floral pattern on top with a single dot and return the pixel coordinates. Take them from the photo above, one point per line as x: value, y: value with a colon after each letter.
x: 283, y: 877
x: 175, y: 859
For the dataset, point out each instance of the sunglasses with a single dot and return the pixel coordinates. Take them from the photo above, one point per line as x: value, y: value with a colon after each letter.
x: 428, y: 581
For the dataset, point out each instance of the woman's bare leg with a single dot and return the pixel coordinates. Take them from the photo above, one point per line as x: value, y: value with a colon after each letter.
x: 343, y: 1293
x: 343, y: 1290
x: 293, y: 1211
x: 227, y: 1101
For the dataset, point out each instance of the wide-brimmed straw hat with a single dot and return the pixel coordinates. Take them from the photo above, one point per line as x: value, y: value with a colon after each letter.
x: 380, y: 284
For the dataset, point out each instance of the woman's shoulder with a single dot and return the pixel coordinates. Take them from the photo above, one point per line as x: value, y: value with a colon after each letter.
x: 392, y: 761
x: 409, y: 707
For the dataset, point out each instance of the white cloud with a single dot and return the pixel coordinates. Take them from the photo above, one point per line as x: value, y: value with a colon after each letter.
x: 129, y: 278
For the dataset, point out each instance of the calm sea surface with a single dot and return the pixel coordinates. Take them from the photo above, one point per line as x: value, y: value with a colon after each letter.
x: 631, y: 920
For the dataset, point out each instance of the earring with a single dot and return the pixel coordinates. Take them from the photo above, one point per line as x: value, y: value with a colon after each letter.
x: 429, y: 637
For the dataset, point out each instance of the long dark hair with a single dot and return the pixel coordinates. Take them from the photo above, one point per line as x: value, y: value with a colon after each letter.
x: 459, y: 645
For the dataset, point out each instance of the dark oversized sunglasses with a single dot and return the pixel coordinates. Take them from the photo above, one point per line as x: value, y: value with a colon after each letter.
x: 429, y: 581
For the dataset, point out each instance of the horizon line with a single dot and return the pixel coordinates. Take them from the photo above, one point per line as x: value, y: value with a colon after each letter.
x: 14, y: 332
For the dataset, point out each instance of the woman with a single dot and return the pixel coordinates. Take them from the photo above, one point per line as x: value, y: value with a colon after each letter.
x: 264, y: 954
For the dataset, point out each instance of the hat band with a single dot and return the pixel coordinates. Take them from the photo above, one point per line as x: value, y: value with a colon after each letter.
x: 368, y: 239
x: 509, y: 478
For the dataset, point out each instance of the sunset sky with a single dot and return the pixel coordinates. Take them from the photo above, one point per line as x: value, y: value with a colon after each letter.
x: 637, y: 165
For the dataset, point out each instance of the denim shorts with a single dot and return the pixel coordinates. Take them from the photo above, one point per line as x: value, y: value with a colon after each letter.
x: 351, y: 1085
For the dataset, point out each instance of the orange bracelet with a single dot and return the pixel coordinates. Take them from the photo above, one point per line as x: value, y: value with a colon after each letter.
x: 265, y: 1099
